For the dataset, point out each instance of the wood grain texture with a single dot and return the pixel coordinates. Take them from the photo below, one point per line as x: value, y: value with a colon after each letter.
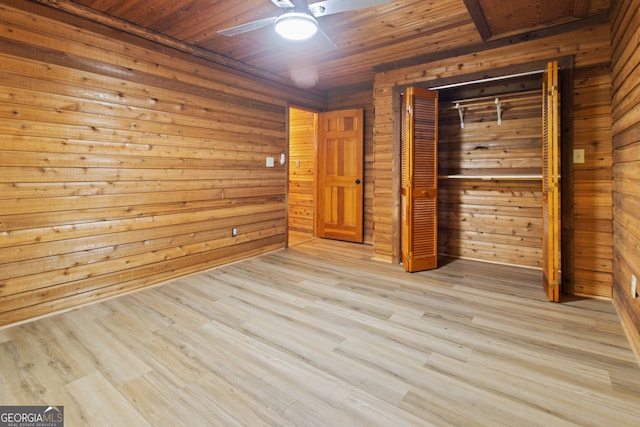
x: 304, y: 337
x: 302, y: 178
x: 388, y: 33
x: 591, y: 51
x: 592, y: 190
x: 491, y: 219
x: 124, y: 163
x: 361, y: 98
x: 625, y: 31
x: 303, y: 134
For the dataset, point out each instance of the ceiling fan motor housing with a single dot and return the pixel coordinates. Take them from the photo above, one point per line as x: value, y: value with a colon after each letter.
x: 296, y: 25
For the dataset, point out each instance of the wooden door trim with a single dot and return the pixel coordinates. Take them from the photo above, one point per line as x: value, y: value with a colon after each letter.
x: 288, y: 166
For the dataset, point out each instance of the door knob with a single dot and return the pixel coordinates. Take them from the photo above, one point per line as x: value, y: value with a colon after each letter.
x: 357, y: 181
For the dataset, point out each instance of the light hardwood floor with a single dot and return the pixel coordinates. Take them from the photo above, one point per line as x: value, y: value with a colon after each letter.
x: 320, y: 335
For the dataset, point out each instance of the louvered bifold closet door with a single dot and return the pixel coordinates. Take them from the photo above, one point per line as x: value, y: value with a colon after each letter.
x: 419, y: 198
x: 550, y: 184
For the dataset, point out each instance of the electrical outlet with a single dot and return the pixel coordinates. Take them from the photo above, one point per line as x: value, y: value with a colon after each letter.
x: 578, y: 155
x: 634, y: 290
x: 234, y: 232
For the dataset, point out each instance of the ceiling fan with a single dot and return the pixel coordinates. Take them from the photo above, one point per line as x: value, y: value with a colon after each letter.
x: 299, y: 22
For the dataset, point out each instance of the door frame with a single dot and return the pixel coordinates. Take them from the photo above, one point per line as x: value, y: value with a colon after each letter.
x: 317, y: 113
x: 288, y: 169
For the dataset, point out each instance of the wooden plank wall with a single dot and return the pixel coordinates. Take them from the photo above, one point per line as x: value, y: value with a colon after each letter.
x: 491, y: 220
x: 361, y: 98
x: 124, y: 164
x: 625, y: 38
x: 497, y: 220
x: 592, y: 189
x: 303, y: 130
x: 590, y: 49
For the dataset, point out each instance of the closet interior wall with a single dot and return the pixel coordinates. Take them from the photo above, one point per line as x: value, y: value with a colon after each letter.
x: 489, y: 172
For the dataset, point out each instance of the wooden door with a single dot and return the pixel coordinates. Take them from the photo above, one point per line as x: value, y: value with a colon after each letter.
x: 419, y: 198
x: 339, y: 209
x: 550, y: 183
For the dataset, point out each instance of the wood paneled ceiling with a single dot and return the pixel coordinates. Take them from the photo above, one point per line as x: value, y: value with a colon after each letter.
x: 367, y: 39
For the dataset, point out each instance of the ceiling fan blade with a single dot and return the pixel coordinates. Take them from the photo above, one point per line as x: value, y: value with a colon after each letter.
x: 249, y: 26
x: 332, y: 45
x: 284, y: 4
x: 329, y: 7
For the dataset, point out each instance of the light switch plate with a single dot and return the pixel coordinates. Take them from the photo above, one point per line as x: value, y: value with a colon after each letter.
x: 270, y: 162
x: 578, y: 155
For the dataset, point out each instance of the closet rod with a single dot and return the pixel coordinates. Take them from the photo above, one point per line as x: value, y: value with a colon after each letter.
x: 488, y: 79
x: 506, y: 97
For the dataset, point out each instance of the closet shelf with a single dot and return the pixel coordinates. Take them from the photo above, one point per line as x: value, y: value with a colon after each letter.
x: 486, y: 101
x: 492, y: 177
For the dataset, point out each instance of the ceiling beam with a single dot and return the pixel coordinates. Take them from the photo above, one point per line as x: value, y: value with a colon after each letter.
x: 479, y: 19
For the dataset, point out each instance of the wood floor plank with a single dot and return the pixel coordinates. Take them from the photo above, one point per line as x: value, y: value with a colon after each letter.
x: 226, y: 405
x: 320, y: 334
x: 102, y: 404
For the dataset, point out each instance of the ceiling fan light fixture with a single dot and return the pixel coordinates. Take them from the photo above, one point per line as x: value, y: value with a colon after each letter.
x: 296, y: 26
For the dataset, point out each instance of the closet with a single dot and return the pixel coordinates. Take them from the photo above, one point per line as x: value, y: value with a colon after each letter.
x: 490, y: 171
x: 497, y: 173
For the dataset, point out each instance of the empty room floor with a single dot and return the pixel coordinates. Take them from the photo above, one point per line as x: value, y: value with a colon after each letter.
x: 321, y: 335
